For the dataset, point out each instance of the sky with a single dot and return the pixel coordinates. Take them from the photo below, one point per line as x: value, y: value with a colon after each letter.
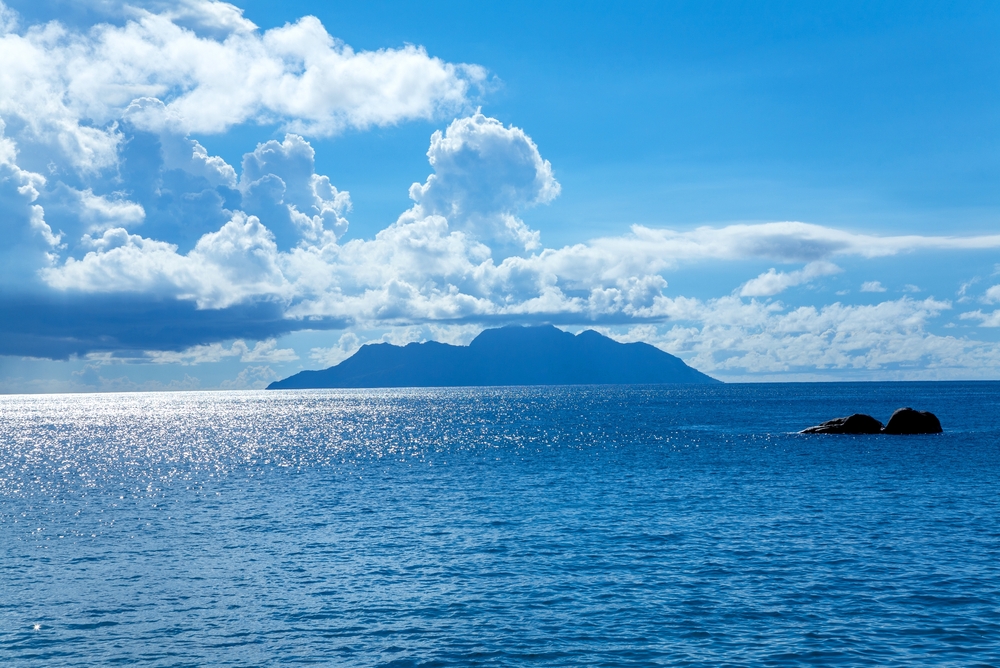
x: 202, y: 195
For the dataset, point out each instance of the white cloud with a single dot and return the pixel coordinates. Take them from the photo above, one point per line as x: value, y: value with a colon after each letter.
x: 439, y: 261
x: 963, y: 290
x: 985, y: 319
x: 780, y: 241
x: 29, y: 240
x: 251, y: 378
x: 771, y: 282
x: 347, y: 345
x: 266, y: 351
x: 263, y: 351
x: 8, y: 19
x: 280, y: 179
x: 484, y: 173
x: 735, y: 340
x: 104, y: 191
x: 220, y: 17
x: 225, y: 267
x: 103, y: 213
x: 350, y: 341
x: 70, y: 87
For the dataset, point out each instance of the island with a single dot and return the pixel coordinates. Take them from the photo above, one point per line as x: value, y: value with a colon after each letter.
x: 513, y: 355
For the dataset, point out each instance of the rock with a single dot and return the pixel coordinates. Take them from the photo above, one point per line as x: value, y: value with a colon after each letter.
x: 859, y: 423
x: 909, y: 421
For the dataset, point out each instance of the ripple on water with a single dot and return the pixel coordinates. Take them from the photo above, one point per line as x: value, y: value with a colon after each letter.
x: 510, y: 526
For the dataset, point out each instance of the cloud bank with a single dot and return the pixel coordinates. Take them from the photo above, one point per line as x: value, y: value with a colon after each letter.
x: 736, y: 339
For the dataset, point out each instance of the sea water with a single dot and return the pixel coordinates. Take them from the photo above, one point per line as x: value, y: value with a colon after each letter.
x: 549, y: 526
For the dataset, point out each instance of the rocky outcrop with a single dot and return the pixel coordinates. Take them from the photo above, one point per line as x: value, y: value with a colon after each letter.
x: 859, y: 423
x: 903, y: 421
x: 909, y: 421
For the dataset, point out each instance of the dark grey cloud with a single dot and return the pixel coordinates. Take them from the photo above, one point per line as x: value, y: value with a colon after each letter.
x: 60, y: 326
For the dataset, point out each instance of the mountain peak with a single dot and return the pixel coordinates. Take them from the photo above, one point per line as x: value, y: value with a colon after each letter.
x: 512, y: 355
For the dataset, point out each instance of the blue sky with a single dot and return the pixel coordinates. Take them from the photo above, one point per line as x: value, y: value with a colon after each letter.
x: 200, y: 195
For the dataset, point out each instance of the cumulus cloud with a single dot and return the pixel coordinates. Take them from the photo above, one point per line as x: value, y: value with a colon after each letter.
x: 872, y: 286
x: 773, y: 282
x: 484, y: 173
x: 112, y: 209
x: 279, y: 183
x: 439, y: 262
x: 735, y: 339
x: 251, y: 378
x: 95, y: 124
x: 225, y: 267
x: 69, y: 87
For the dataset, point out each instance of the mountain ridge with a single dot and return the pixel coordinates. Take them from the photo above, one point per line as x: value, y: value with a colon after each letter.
x: 541, y: 355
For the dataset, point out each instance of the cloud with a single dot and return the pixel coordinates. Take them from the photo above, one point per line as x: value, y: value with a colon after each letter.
x: 771, y: 282
x: 347, y: 345
x: 251, y: 378
x: 992, y: 294
x: 279, y: 183
x: 102, y: 189
x: 780, y: 241
x: 8, y: 19
x: 29, y: 240
x: 872, y: 286
x: 103, y: 213
x: 736, y: 339
x: 438, y: 262
x: 219, y: 17
x: 61, y: 326
x: 90, y: 379
x: 263, y: 351
x: 225, y: 267
x: 985, y: 319
x: 350, y: 341
x: 125, y: 236
x: 484, y: 174
x: 69, y: 87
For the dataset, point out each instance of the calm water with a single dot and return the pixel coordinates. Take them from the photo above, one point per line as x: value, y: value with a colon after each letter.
x: 499, y: 527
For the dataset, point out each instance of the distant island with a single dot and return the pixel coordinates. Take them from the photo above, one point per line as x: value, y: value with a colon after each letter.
x: 506, y: 356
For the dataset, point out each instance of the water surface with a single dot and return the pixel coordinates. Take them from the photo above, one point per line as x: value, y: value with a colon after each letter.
x: 553, y: 526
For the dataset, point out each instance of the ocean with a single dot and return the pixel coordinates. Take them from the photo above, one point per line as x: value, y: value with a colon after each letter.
x: 541, y: 526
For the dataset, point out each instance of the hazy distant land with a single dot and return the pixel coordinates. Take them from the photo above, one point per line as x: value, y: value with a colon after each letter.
x: 512, y: 355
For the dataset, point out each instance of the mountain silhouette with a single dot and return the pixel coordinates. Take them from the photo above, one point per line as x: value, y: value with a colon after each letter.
x: 506, y: 356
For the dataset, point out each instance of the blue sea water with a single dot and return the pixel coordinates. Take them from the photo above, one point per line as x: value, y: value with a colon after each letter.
x: 549, y: 526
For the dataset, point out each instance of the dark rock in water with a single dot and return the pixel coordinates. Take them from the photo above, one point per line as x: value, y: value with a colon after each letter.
x: 859, y: 423
x: 909, y: 421
x: 903, y: 421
